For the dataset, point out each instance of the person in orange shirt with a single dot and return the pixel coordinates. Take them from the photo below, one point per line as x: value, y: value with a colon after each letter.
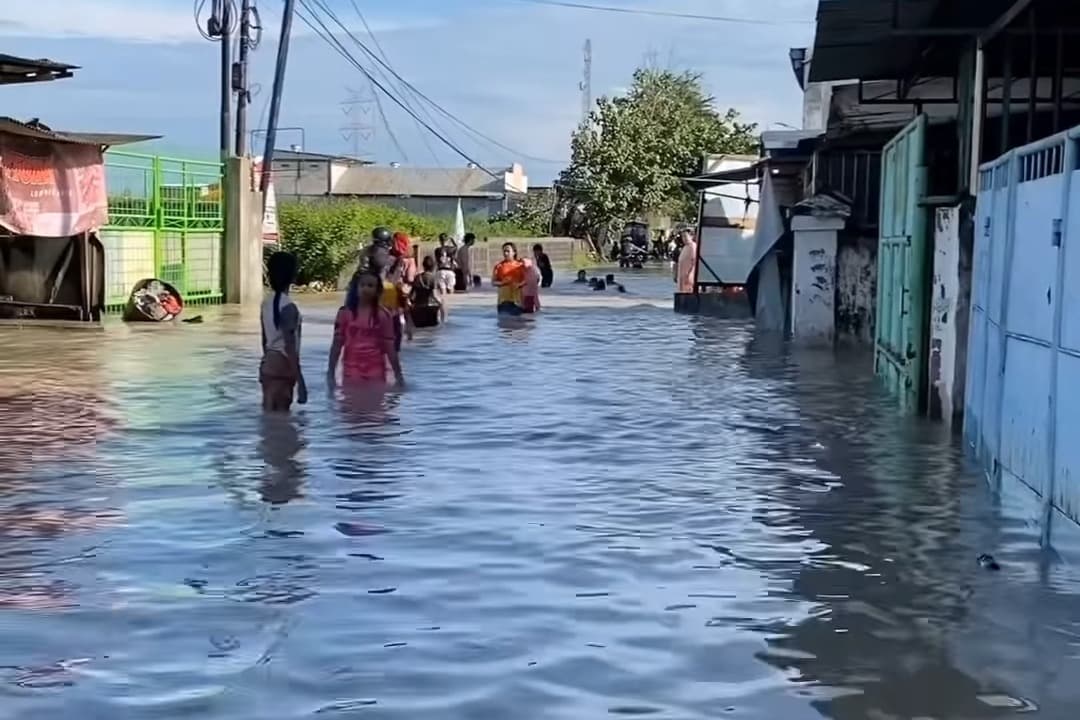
x: 508, y: 277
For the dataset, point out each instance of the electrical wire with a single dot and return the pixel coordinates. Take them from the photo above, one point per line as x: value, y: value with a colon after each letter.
x: 378, y: 46
x: 233, y: 13
x: 663, y: 13
x: 435, y: 105
x: 331, y: 40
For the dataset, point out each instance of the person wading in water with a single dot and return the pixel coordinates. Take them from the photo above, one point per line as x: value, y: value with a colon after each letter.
x: 509, y: 278
x: 279, y: 371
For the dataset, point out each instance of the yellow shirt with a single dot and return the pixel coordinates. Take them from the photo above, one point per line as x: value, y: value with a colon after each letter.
x: 391, y: 297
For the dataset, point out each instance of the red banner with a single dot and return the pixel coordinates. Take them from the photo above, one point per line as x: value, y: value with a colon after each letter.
x: 51, y: 189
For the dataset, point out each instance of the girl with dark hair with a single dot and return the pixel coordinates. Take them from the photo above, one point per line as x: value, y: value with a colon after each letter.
x: 394, y: 296
x: 426, y: 303
x: 509, y: 278
x: 363, y: 335
x: 279, y: 371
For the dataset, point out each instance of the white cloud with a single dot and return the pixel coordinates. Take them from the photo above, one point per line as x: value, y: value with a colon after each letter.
x: 143, y: 22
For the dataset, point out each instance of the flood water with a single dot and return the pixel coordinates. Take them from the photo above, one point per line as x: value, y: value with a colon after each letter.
x: 605, y: 511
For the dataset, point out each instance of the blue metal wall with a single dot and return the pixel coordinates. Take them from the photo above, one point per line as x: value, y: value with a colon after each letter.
x: 1022, y: 407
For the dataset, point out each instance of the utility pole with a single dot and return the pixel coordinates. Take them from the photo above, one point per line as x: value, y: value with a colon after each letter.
x: 275, y: 96
x: 360, y: 128
x: 222, y: 17
x: 586, y: 84
x: 240, y: 78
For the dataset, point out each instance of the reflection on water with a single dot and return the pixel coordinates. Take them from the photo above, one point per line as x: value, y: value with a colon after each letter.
x: 596, y: 511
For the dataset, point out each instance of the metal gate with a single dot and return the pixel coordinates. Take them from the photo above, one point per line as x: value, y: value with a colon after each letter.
x: 899, y: 348
x: 167, y: 221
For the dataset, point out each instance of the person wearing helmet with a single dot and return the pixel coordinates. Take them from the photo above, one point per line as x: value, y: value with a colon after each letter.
x: 381, y: 237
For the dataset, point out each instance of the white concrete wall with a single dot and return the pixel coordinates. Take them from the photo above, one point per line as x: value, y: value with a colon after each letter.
x: 813, y: 298
x: 945, y: 383
x: 1022, y: 408
x: 243, y: 235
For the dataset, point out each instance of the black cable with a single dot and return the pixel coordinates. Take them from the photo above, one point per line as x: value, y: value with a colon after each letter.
x: 378, y: 46
x: 663, y: 13
x: 408, y: 88
x: 434, y: 104
x: 336, y: 45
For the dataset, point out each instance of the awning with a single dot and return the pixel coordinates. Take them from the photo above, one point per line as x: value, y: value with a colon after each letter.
x: 37, y: 131
x: 15, y: 70
x: 723, y: 177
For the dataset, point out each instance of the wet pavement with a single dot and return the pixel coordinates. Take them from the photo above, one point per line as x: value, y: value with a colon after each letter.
x: 606, y: 510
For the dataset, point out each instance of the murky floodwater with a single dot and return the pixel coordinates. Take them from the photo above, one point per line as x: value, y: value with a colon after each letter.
x: 602, y: 511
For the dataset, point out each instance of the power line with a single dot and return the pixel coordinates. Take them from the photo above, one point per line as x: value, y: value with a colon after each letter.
x: 427, y: 99
x: 663, y: 13
x: 378, y: 46
x: 334, y: 43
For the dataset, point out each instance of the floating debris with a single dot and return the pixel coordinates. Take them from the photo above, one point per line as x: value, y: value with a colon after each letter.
x: 988, y: 562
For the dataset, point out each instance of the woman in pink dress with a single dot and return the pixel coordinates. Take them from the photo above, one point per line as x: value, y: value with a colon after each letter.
x: 363, y: 336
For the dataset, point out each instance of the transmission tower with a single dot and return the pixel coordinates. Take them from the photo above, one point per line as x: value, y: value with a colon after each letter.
x: 359, y: 129
x: 586, y: 84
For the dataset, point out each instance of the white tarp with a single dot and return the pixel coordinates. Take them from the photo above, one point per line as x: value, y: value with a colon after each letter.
x: 270, y: 233
x: 459, y: 224
x: 770, y: 223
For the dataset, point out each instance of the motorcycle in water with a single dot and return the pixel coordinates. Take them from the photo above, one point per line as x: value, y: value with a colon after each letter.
x: 632, y: 254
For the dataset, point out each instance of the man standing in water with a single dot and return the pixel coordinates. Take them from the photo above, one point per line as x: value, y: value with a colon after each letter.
x: 686, y: 267
x: 444, y: 263
x: 463, y: 271
x: 543, y: 264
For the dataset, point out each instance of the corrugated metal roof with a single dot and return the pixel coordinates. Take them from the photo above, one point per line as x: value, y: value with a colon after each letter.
x: 14, y: 69
x: 419, y: 182
x: 314, y: 156
x: 38, y: 131
x: 855, y: 39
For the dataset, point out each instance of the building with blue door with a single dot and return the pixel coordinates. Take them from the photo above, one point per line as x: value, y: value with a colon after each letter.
x: 977, y: 311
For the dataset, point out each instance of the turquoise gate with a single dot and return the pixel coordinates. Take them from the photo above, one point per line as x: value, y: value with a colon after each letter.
x: 900, y: 335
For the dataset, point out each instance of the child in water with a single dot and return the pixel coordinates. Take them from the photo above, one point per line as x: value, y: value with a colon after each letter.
x: 426, y: 303
x: 364, y: 335
x: 530, y: 293
x: 279, y: 371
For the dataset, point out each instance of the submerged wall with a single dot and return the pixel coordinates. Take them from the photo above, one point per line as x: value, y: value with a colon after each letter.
x: 856, y: 287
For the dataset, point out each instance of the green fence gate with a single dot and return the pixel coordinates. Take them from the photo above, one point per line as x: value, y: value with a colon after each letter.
x: 899, y: 348
x: 167, y: 221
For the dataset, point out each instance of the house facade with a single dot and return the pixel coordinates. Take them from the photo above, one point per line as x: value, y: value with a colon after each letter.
x: 940, y: 208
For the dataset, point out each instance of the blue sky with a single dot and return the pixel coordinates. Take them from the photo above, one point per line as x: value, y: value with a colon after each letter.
x: 508, y: 68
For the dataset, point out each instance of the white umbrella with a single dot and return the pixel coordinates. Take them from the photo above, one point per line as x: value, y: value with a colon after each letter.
x: 459, y: 224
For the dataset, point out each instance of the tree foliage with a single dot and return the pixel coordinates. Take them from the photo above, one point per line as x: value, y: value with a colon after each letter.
x: 326, y: 237
x: 531, y: 217
x: 627, y: 161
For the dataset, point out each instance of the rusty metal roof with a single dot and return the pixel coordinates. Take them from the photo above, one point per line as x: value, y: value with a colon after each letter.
x: 15, y: 69
x: 38, y: 131
x: 856, y: 39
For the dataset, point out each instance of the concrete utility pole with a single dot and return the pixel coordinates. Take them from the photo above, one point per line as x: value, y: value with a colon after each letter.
x: 586, y: 84
x: 222, y: 17
x: 240, y: 77
x: 275, y: 97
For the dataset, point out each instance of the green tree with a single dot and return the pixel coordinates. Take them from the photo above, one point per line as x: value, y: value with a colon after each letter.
x: 627, y: 161
x: 531, y: 217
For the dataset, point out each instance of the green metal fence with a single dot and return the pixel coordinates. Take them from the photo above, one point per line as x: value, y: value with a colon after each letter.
x: 166, y: 220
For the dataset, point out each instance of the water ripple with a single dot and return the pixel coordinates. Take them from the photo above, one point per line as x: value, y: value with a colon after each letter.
x: 605, y: 511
